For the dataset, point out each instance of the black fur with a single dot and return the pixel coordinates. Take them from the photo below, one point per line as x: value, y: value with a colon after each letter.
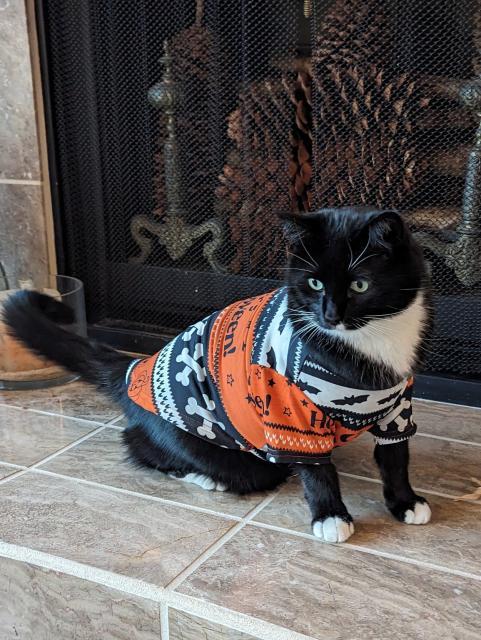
x: 322, y: 492
x: 393, y: 462
x: 151, y: 441
x: 327, y: 239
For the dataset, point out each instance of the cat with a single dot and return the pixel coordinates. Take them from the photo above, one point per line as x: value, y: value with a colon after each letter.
x: 287, y: 376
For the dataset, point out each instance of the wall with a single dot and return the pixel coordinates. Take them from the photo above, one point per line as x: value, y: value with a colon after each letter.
x: 26, y: 236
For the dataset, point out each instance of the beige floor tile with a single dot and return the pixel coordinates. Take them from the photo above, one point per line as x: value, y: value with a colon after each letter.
x: 75, y: 400
x: 125, y: 534
x: 5, y: 470
x: 103, y: 460
x: 36, y: 604
x: 316, y: 589
x: 183, y: 626
x: 436, y: 465
x: 123, y: 422
x: 27, y: 437
x: 452, y: 539
x: 448, y: 420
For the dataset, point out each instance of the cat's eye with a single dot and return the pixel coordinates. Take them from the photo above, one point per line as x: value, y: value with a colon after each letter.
x: 359, y: 286
x: 315, y: 284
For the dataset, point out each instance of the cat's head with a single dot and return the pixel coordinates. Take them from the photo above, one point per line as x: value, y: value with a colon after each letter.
x: 351, y: 266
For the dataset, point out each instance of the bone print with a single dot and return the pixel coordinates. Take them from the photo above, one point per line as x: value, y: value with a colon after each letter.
x: 396, y: 417
x: 197, y: 328
x: 191, y: 365
x: 193, y: 408
x: 205, y: 430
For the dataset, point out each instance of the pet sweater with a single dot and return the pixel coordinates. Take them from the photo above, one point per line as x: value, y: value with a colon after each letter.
x: 242, y: 379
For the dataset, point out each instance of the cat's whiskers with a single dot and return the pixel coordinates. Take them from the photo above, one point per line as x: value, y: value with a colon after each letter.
x: 356, y: 264
x: 294, y: 255
x: 305, y: 249
x: 356, y: 261
x: 295, y: 269
x: 352, y: 256
x: 383, y: 315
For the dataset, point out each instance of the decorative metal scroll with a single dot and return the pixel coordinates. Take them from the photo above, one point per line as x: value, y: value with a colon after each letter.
x: 173, y: 233
x: 463, y: 255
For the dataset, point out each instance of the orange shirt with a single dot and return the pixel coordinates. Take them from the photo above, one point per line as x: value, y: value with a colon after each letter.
x: 241, y: 378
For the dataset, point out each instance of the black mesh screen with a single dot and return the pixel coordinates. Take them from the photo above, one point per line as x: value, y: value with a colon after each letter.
x: 181, y: 129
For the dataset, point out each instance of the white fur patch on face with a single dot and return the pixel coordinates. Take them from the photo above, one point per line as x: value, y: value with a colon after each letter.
x: 390, y: 341
x: 420, y: 515
x: 333, y: 529
x: 203, y: 481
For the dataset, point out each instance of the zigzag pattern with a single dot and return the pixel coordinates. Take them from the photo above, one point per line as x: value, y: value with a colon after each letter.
x: 163, y: 397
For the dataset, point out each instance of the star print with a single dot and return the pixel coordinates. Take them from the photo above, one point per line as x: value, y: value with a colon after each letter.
x: 258, y: 374
x: 271, y: 382
x: 250, y: 399
x: 244, y: 345
x: 287, y: 411
x: 230, y: 379
x: 289, y: 383
x: 304, y: 403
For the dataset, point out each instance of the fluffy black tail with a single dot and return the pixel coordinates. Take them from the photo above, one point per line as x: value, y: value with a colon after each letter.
x: 32, y: 318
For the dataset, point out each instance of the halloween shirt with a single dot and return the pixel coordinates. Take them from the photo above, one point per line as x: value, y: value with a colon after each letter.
x: 242, y: 379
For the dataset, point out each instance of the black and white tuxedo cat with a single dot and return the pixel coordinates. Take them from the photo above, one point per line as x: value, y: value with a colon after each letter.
x: 357, y: 296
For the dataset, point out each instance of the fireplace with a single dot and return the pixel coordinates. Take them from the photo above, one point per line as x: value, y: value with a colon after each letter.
x: 178, y: 130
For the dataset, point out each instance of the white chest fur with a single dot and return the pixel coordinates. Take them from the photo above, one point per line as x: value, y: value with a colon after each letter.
x: 391, y: 341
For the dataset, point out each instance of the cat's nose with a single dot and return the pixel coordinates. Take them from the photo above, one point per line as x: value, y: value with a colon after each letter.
x: 331, y: 314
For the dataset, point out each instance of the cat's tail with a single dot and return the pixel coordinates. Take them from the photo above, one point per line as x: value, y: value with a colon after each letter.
x: 34, y: 318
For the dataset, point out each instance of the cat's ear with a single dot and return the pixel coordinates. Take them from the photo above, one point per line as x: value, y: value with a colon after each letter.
x: 297, y: 226
x: 387, y: 230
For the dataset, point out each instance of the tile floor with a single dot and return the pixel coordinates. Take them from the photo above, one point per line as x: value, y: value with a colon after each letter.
x: 92, y: 548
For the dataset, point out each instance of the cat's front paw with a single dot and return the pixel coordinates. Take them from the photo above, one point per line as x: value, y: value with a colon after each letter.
x: 333, y: 529
x: 414, y: 512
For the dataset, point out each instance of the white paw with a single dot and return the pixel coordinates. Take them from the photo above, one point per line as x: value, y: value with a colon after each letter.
x: 220, y: 487
x: 333, y: 529
x: 200, y: 480
x: 420, y: 515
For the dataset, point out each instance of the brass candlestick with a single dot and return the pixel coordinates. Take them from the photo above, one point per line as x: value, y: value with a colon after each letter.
x: 464, y: 254
x: 173, y: 233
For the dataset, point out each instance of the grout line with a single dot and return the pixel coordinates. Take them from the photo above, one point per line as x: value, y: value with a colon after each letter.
x: 12, y: 476
x: 257, y: 627
x: 252, y: 626
x: 373, y: 552
x: 114, y: 426
x: 52, y: 413
x: 12, y: 465
x: 430, y: 492
x: 25, y: 470
x: 132, y: 586
x: 26, y: 182
x: 448, y: 439
x: 164, y: 621
x: 136, y: 494
x: 215, y: 546
x: 114, y: 420
x: 112, y: 423
x: 87, y: 436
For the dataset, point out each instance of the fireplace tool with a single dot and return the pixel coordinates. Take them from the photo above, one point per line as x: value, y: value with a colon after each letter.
x: 173, y: 233
x: 463, y: 254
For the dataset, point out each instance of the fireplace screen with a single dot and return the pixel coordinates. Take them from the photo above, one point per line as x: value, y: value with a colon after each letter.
x: 181, y: 129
